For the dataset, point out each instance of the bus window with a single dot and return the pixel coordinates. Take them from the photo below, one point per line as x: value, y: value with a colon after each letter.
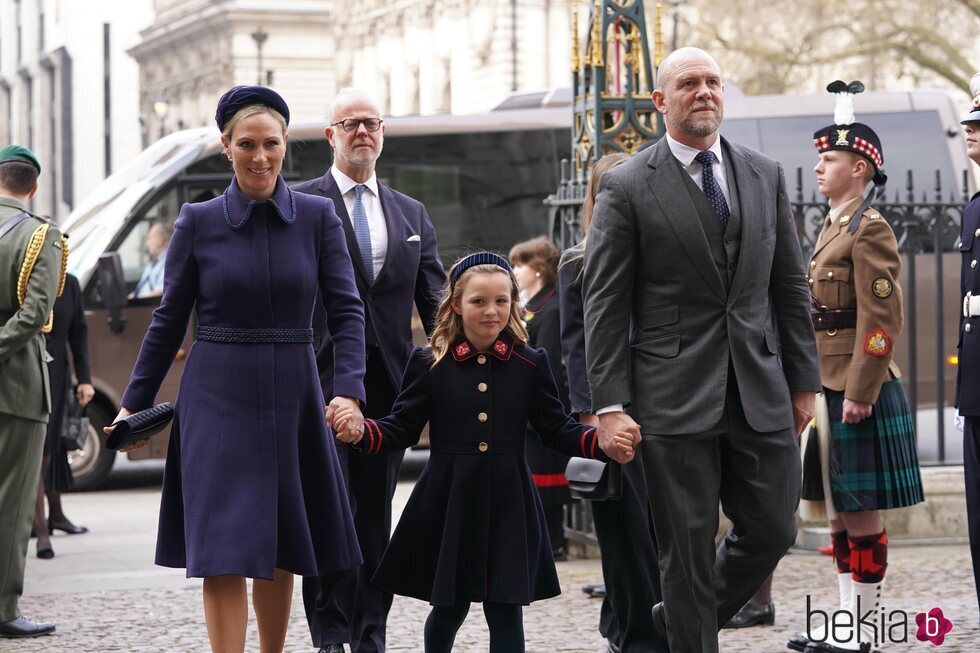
x: 132, y: 247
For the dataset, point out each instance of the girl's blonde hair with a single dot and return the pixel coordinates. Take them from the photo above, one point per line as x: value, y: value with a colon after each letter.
x: 449, y: 325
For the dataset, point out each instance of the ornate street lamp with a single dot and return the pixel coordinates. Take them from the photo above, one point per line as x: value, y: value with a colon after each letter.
x: 259, y: 37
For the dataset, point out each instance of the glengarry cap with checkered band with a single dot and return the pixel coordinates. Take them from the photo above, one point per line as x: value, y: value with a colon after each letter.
x: 974, y: 115
x: 847, y: 134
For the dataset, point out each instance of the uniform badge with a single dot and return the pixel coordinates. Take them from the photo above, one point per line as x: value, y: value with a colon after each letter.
x: 882, y: 288
x: 842, y: 137
x: 500, y: 347
x: 462, y: 349
x: 528, y: 316
x: 877, y: 343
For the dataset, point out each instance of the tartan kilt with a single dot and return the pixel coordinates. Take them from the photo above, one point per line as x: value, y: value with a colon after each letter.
x: 874, y: 464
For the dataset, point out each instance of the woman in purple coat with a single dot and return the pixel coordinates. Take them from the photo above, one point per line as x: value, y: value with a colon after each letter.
x: 252, y: 487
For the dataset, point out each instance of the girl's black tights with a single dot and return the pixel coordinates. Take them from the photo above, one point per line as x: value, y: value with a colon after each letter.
x: 505, y: 620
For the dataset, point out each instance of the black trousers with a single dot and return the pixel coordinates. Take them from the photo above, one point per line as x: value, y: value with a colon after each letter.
x: 756, y: 476
x: 630, y: 566
x: 346, y: 606
x: 971, y: 472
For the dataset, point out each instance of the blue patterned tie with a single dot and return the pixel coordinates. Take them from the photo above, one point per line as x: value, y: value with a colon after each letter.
x: 362, y: 231
x: 710, y: 185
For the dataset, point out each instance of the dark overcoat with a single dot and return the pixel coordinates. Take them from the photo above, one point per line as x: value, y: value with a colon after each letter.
x: 68, y: 332
x: 473, y: 528
x: 252, y: 481
x: 544, y: 330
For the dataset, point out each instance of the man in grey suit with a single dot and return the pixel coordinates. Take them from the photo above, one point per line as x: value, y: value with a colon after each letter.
x: 698, y: 337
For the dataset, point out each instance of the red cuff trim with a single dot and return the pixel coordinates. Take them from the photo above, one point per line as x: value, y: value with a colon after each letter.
x: 595, y: 438
x: 549, y: 480
x: 581, y: 442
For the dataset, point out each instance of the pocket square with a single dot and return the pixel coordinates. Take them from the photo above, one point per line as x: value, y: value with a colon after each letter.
x: 413, y: 239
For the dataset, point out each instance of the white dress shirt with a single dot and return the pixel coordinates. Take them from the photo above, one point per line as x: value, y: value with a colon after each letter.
x: 685, y: 155
x: 372, y: 208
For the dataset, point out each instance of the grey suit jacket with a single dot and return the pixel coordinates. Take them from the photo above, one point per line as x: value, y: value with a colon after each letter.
x: 661, y: 327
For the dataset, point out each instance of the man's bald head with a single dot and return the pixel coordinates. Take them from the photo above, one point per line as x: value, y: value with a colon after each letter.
x: 348, y: 97
x: 676, y: 59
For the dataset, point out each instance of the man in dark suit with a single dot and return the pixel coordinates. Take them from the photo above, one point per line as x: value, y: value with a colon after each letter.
x: 697, y: 318
x: 393, y: 247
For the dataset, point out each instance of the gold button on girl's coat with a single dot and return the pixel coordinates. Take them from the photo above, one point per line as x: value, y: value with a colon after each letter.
x: 482, y: 417
x: 482, y: 387
x: 830, y: 275
x: 973, y: 263
x: 966, y: 327
x: 483, y: 446
x: 481, y: 359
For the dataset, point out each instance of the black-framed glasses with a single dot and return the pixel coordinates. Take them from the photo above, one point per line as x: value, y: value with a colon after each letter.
x: 351, y: 124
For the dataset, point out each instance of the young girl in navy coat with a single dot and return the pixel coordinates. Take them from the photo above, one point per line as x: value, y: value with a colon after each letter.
x: 473, y: 529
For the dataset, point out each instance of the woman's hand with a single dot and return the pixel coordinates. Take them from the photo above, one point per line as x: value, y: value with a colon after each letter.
x: 84, y: 393
x: 124, y: 413
x: 345, y: 418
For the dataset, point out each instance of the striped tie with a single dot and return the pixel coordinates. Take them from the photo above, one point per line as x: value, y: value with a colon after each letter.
x: 362, y: 231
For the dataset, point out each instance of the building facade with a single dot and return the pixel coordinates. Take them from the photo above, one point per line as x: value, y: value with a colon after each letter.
x: 68, y: 90
x: 196, y: 49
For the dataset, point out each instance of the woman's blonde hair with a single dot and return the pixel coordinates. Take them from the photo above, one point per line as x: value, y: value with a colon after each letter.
x: 251, y: 110
x: 601, y: 166
x: 449, y: 325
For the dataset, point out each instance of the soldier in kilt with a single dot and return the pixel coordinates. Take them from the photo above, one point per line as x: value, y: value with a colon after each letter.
x: 858, y: 315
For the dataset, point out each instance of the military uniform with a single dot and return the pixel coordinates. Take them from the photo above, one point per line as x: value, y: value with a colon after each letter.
x: 968, y: 370
x: 31, y: 265
x: 853, y: 276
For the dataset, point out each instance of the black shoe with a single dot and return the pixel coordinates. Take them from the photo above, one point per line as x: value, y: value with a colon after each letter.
x: 46, y: 553
x: 24, y: 627
x: 798, y: 643
x: 598, y: 592
x: 332, y: 648
x: 753, y: 615
x: 659, y: 618
x: 824, y: 647
x: 588, y: 588
x: 66, y: 526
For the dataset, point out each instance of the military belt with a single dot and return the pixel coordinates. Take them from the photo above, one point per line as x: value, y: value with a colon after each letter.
x: 971, y: 306
x: 830, y: 320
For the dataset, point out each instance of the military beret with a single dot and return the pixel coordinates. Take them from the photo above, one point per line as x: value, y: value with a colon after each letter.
x: 974, y: 113
x: 19, y: 153
x: 239, y: 97
x: 479, y: 258
x: 847, y: 134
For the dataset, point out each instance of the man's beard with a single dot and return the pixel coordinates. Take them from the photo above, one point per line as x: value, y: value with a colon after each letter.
x: 359, y: 157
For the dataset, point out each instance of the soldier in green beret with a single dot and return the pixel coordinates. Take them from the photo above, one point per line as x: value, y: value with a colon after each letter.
x: 32, y: 268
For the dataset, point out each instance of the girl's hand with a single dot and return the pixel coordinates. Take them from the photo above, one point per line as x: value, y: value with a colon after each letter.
x: 124, y: 413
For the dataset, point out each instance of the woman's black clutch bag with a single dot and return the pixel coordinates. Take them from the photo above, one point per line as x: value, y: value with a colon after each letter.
x: 140, y: 426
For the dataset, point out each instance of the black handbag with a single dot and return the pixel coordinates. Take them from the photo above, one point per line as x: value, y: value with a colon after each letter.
x: 594, y: 480
x: 140, y: 426
x: 74, y: 428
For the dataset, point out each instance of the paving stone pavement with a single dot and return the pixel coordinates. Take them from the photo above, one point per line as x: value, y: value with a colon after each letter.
x: 106, y: 595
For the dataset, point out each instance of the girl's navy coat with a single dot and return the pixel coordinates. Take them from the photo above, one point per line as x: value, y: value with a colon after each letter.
x: 473, y: 529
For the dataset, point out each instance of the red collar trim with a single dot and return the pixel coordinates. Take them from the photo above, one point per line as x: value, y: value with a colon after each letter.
x: 500, y: 349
